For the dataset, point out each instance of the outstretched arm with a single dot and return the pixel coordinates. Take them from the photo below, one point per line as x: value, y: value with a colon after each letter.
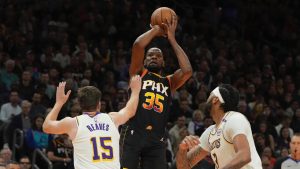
x: 185, y: 72
x: 187, y: 159
x: 51, y: 124
x: 138, y: 49
x: 129, y: 110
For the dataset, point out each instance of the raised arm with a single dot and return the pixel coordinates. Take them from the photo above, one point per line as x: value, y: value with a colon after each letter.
x: 129, y: 110
x: 187, y: 159
x: 138, y: 49
x: 181, y: 75
x: 51, y: 124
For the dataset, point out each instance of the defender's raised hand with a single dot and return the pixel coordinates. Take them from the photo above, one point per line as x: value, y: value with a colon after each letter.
x: 61, y: 97
x: 136, y: 83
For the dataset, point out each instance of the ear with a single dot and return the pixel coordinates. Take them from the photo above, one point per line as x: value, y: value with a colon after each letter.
x: 99, y: 106
x: 215, y: 100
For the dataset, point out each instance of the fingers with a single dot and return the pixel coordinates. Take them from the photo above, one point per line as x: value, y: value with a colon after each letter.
x: 191, y: 141
x: 174, y: 20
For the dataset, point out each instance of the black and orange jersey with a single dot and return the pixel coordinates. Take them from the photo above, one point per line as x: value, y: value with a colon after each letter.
x: 154, y: 103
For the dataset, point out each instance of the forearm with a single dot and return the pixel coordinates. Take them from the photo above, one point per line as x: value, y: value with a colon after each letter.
x: 144, y: 39
x: 182, y: 160
x: 132, y: 103
x: 52, y: 116
x: 183, y: 60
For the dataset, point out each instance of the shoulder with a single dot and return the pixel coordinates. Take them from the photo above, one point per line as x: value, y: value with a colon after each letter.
x: 234, y: 116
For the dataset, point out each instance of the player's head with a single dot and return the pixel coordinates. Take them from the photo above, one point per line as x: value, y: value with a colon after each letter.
x: 154, y: 60
x: 295, y: 146
x: 89, y: 98
x: 225, y: 97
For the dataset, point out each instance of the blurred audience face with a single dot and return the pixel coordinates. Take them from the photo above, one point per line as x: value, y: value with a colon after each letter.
x: 44, y: 78
x: 13, y: 166
x: 181, y: 121
x: 26, y: 76
x: 26, y: 106
x: 284, y: 152
x: 14, y: 97
x: 25, y: 163
x: 36, y: 98
x: 295, y: 147
x: 6, y: 154
x: 39, y: 123
x: 266, y: 164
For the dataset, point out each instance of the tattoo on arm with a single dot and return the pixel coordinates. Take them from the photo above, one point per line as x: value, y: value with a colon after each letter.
x: 193, y: 156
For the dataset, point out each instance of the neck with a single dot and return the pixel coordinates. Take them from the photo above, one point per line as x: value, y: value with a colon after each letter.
x: 218, y: 116
x: 90, y: 113
x: 295, y: 156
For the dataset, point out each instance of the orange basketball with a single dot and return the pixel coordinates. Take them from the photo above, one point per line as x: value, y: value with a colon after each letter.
x: 162, y: 15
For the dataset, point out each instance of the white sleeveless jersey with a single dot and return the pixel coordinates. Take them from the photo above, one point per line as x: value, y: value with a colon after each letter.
x: 96, y: 144
x: 219, y: 141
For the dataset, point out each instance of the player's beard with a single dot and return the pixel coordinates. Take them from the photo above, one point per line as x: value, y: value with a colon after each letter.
x: 208, y: 111
x: 154, y: 68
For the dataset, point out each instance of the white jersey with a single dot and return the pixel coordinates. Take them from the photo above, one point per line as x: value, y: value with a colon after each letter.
x: 219, y: 141
x: 96, y: 144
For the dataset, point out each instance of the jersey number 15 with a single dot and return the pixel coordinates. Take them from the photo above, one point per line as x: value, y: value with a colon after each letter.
x: 107, y: 151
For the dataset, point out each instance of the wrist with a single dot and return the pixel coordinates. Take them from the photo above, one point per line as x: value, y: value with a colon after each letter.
x: 57, y: 104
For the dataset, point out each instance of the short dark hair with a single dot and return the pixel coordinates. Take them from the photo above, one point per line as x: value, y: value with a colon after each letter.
x: 89, y: 98
x: 231, y: 97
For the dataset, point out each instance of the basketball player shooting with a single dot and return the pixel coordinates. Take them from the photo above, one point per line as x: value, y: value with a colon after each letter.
x: 229, y: 141
x: 94, y: 135
x: 149, y: 123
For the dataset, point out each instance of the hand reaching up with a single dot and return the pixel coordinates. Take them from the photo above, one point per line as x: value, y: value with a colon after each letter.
x: 136, y: 83
x: 61, y: 97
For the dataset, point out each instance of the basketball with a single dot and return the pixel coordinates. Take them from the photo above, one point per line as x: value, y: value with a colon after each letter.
x: 162, y: 15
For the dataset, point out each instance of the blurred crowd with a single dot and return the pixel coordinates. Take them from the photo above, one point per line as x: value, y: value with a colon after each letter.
x: 251, y: 44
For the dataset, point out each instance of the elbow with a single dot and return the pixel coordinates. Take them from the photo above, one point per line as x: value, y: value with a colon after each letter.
x: 45, y: 128
x: 246, y: 159
x: 188, y: 73
x: 137, y: 44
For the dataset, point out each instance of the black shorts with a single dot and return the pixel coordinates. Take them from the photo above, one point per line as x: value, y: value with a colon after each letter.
x: 142, y: 149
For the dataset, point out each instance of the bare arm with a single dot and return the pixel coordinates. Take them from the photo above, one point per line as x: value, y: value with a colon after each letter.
x: 185, y: 72
x: 51, y: 124
x: 242, y: 156
x: 187, y: 159
x: 130, y: 109
x: 138, y: 49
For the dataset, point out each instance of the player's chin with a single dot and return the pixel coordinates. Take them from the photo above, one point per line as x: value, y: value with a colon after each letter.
x: 154, y: 68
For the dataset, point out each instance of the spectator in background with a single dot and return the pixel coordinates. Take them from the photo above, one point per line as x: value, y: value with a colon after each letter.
x: 196, y: 127
x: 175, y: 132
x: 50, y: 88
x: 26, y: 86
x: 13, y: 165
x: 36, y: 106
x: 285, y: 122
x: 63, y: 57
x: 35, y: 137
x: 7, y: 75
x: 5, y: 154
x: 21, y: 121
x: 60, y: 152
x: 25, y: 162
x: 11, y: 108
x: 296, y: 121
x: 269, y: 140
x: 284, y: 138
